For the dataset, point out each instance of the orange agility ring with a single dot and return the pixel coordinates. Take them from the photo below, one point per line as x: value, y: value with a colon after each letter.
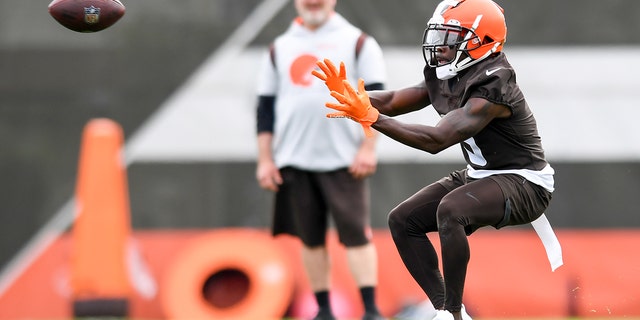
x: 228, y: 274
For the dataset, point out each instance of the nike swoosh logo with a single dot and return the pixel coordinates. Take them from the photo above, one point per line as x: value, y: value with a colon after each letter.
x: 490, y: 72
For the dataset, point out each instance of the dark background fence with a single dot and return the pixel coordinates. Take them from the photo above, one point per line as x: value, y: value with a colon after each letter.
x: 52, y: 81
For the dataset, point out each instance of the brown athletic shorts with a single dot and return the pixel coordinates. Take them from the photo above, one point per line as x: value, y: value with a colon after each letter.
x: 524, y: 201
x: 306, y: 199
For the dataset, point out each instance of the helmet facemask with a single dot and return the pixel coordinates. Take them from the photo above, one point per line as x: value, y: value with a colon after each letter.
x: 457, y: 38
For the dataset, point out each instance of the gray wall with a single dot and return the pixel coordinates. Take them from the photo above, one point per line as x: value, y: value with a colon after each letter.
x: 198, y: 195
x: 52, y: 81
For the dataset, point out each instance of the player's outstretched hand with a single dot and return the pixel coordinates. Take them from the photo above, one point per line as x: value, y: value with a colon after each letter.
x: 354, y: 105
x: 331, y: 76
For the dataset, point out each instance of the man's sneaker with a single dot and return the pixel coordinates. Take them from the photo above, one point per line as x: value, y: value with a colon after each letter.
x: 443, y: 315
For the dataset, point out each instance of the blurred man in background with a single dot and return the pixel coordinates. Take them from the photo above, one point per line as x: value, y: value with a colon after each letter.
x: 318, y: 167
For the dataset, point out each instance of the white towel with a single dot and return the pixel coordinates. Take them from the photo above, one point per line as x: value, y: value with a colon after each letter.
x: 549, y: 240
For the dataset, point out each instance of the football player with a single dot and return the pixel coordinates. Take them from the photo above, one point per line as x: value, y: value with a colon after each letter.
x: 507, y: 181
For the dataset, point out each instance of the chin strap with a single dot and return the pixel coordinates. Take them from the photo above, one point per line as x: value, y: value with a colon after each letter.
x: 445, y: 72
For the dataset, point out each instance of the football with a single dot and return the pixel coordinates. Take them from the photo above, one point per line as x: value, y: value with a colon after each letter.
x: 86, y: 15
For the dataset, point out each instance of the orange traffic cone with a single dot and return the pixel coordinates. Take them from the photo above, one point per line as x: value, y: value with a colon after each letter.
x: 102, y: 228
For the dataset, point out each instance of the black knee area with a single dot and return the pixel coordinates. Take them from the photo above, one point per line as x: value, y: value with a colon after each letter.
x: 448, y: 212
x: 397, y: 220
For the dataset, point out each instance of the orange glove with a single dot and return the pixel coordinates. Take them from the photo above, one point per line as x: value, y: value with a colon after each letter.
x: 355, y: 106
x: 331, y: 77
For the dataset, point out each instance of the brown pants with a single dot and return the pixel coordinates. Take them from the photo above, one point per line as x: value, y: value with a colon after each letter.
x: 455, y: 207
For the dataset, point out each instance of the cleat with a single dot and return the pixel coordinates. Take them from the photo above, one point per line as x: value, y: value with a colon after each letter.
x: 465, y: 315
x: 443, y: 315
x: 421, y: 310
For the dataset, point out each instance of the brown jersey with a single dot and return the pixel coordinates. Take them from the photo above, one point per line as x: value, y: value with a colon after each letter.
x: 504, y: 144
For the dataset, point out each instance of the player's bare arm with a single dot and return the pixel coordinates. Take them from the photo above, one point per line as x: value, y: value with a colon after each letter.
x: 397, y: 102
x: 453, y: 128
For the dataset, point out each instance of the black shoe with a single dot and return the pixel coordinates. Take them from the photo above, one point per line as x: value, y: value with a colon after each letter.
x: 373, y: 316
x: 324, y: 314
